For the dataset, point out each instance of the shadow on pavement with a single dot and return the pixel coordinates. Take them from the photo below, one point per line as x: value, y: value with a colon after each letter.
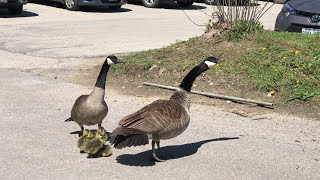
x: 4, y: 13
x: 169, y: 152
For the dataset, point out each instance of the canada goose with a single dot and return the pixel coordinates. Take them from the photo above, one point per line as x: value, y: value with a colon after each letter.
x: 92, y: 109
x: 162, y: 119
x: 95, y: 144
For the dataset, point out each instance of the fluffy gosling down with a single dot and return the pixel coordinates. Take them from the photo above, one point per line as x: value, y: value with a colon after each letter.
x: 86, y: 136
x: 94, y: 145
x: 162, y: 119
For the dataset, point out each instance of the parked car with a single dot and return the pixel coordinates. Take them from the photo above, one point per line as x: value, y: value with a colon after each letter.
x: 156, y: 3
x: 299, y: 16
x: 74, y: 5
x: 14, y: 6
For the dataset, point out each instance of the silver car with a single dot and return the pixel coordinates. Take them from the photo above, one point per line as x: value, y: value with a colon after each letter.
x: 299, y: 16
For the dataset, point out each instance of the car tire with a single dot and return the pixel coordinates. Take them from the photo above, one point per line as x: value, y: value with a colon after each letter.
x: 280, y: 1
x: 210, y: 2
x: 16, y: 10
x: 151, y: 3
x: 71, y: 5
x: 185, y: 3
x: 115, y: 7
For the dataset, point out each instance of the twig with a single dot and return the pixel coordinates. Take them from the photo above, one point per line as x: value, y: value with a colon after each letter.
x: 191, y: 19
x: 235, y: 99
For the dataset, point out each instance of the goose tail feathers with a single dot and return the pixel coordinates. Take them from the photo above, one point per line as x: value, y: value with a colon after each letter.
x: 69, y: 119
x: 125, y: 137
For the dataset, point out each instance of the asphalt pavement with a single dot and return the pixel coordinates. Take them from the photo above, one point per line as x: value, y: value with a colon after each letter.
x: 36, y: 143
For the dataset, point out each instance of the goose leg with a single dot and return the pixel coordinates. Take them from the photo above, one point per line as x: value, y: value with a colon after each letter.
x: 159, y: 149
x: 82, y: 129
x: 154, y: 153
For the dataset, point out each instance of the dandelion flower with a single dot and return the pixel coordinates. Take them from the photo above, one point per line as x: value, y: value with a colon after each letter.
x: 271, y: 93
x: 285, y: 57
x: 217, y: 65
x: 280, y: 55
x: 296, y: 52
x: 298, y: 81
x: 264, y: 48
x: 275, y: 69
x: 291, y: 51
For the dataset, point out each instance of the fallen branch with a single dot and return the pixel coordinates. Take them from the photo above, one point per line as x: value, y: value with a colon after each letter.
x: 235, y: 99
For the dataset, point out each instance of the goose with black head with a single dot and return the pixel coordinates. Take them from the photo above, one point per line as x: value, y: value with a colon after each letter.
x: 162, y: 119
x: 92, y: 109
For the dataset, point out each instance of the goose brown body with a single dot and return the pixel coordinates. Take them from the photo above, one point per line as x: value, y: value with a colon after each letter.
x: 90, y: 109
x: 162, y: 119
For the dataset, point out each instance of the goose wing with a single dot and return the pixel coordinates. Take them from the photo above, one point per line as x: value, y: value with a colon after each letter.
x: 154, y: 117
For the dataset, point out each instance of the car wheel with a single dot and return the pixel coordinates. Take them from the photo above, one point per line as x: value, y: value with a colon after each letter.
x: 185, y: 3
x: 16, y: 10
x: 71, y: 5
x: 115, y: 7
x: 151, y: 3
x: 280, y: 1
x: 209, y: 2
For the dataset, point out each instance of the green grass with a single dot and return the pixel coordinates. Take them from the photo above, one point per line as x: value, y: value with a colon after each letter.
x: 264, y: 62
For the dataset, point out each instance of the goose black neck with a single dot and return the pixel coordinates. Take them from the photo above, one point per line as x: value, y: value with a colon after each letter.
x: 187, y: 82
x: 101, y: 81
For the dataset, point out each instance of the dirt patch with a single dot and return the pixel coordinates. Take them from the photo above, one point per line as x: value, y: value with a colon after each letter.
x: 134, y: 87
x: 169, y: 65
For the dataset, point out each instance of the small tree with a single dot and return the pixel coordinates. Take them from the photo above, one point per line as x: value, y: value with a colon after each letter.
x: 237, y: 17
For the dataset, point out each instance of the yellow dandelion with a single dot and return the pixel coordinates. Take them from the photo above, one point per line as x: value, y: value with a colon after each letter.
x: 264, y: 48
x: 291, y: 51
x: 217, y: 65
x: 272, y: 92
x: 280, y: 55
x: 298, y: 81
x: 275, y: 69
x: 285, y: 57
x: 296, y: 52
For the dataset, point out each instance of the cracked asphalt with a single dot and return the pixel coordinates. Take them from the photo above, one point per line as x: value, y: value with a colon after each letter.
x: 36, y: 143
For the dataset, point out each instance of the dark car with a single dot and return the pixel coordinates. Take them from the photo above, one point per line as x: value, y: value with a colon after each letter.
x: 226, y: 1
x: 299, y: 16
x: 74, y: 5
x: 14, y: 6
x: 157, y: 3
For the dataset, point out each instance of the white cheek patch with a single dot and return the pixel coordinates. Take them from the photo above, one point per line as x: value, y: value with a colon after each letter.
x: 209, y: 63
x: 110, y: 62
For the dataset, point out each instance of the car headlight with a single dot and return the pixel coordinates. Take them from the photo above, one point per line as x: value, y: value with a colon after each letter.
x: 288, y: 10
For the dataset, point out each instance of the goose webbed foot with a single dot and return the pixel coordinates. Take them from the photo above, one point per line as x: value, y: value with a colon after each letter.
x: 154, y: 152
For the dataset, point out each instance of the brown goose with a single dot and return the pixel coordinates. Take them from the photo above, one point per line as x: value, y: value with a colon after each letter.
x: 92, y: 109
x: 162, y: 119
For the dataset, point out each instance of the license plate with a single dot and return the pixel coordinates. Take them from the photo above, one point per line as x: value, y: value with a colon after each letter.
x: 310, y: 31
x: 3, y: 1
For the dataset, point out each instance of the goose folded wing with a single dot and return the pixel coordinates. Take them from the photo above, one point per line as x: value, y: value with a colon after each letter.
x: 154, y: 117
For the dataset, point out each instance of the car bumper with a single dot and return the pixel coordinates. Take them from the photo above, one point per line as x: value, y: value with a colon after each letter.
x: 12, y: 3
x: 101, y: 2
x: 294, y: 23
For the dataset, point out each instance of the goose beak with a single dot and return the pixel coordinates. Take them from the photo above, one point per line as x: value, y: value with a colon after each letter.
x: 119, y: 61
